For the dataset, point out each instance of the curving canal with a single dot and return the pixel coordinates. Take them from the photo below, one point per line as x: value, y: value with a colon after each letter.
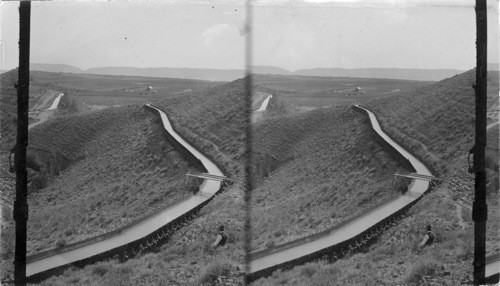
x: 142, y: 229
x: 357, y: 226
x: 416, y: 189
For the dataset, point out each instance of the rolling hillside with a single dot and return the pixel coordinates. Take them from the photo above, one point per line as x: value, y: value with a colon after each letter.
x: 314, y: 171
x: 88, y: 161
x: 40, y: 97
x: 215, y: 120
x: 437, y: 122
x: 202, y: 120
x: 99, y: 171
x: 114, y: 166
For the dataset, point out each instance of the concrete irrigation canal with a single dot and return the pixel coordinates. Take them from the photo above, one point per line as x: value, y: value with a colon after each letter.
x: 258, y: 114
x: 156, y: 227
x: 139, y: 235
x: 264, y: 103
x: 45, y: 114
x: 356, y: 232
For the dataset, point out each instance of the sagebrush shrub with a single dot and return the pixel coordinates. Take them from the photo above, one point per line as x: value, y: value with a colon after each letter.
x: 219, y: 267
x: 101, y: 269
x: 424, y: 266
x: 60, y: 242
x: 309, y: 270
x: 269, y: 243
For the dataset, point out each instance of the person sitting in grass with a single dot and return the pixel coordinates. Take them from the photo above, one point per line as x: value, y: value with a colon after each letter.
x: 428, y: 238
x: 221, y: 238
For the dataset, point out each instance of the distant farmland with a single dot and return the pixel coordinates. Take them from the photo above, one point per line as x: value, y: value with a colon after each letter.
x: 109, y: 90
x: 305, y: 93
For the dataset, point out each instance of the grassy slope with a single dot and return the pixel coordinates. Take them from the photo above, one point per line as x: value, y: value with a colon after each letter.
x: 121, y: 169
x: 8, y: 110
x: 213, y: 118
x: 8, y: 105
x: 7, y: 232
x: 438, y: 123
x: 7, y: 180
x: 447, y: 132
x: 8, y: 119
x: 327, y: 168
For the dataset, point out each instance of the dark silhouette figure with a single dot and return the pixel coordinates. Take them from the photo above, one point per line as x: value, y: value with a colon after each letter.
x: 221, y: 238
x: 428, y: 238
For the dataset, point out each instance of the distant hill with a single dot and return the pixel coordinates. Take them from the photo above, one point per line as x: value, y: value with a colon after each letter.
x: 410, y: 74
x: 270, y: 70
x: 55, y: 68
x: 191, y: 73
x: 233, y: 74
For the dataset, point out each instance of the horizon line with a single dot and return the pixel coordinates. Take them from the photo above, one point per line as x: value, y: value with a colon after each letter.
x: 243, y: 68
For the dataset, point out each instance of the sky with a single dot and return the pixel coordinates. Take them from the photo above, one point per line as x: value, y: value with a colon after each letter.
x: 293, y: 35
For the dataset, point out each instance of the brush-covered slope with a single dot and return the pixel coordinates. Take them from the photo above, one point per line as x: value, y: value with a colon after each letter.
x: 212, y: 121
x: 8, y: 109
x: 8, y: 103
x: 313, y: 171
x: 215, y: 122
x: 438, y: 123
x: 41, y: 96
x: 7, y: 231
x: 99, y: 171
x: 441, y: 117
